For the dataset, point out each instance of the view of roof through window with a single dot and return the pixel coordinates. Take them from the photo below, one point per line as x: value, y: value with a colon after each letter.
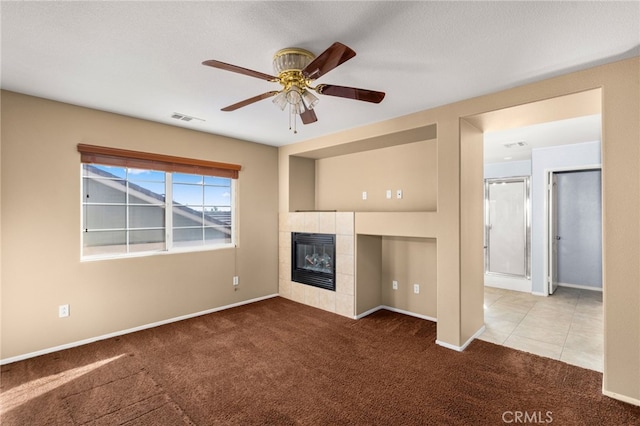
x: 124, y: 210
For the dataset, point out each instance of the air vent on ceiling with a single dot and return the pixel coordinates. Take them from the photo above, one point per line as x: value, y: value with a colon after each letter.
x: 515, y: 144
x: 184, y: 117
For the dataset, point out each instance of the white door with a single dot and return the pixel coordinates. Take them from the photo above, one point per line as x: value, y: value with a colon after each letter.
x: 552, y: 279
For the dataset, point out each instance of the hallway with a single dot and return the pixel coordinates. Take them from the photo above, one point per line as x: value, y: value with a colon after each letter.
x: 567, y: 326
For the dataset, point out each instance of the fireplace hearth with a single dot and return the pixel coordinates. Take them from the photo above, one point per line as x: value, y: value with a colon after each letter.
x: 313, y: 259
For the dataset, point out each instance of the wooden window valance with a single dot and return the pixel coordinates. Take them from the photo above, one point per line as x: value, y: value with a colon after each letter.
x: 145, y: 160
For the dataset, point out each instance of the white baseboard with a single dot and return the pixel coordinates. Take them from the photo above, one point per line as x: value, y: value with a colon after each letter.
x: 129, y: 330
x: 623, y: 398
x: 537, y: 293
x: 392, y: 309
x: 581, y: 287
x: 411, y: 314
x: 369, y: 312
x: 464, y: 346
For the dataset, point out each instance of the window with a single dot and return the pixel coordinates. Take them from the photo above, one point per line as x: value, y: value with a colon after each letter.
x: 124, y: 209
x: 201, y: 210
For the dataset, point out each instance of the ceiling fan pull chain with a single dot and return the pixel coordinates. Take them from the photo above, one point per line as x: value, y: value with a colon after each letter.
x: 292, y: 116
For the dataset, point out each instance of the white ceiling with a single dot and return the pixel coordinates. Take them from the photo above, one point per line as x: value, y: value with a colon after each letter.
x: 561, y: 132
x: 143, y: 59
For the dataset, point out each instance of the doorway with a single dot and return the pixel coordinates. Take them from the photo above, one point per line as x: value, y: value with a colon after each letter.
x: 574, y: 229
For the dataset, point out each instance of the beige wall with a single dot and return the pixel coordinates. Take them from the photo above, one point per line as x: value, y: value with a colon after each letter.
x: 458, y: 241
x: 409, y: 261
x: 368, y: 272
x: 411, y: 168
x: 41, y: 230
x: 471, y: 232
x: 302, y: 184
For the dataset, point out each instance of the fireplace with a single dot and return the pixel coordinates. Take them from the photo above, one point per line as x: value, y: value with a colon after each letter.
x: 313, y: 259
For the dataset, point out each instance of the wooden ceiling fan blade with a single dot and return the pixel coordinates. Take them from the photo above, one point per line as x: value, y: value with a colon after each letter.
x: 250, y: 101
x: 335, y: 55
x: 351, y: 93
x: 239, y: 70
x: 308, y: 116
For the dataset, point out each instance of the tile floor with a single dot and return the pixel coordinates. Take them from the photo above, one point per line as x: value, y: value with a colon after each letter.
x: 566, y: 326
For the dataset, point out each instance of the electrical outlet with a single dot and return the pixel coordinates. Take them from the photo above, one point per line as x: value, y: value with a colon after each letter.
x: 416, y: 288
x: 235, y: 280
x: 63, y: 311
x: 389, y: 194
x: 395, y: 285
x: 364, y: 195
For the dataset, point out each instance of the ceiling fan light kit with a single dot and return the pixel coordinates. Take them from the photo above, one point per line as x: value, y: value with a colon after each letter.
x: 296, y: 69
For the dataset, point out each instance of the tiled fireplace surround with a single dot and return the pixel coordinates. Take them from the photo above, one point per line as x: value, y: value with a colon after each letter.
x: 341, y: 301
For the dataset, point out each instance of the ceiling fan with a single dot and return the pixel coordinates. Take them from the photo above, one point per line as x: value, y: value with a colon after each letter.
x: 296, y: 69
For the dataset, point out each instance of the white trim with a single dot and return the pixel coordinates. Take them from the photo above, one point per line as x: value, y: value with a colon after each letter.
x: 369, y: 312
x: 129, y: 330
x: 464, y: 346
x: 411, y: 314
x: 593, y: 166
x: 187, y: 249
x: 449, y: 346
x: 392, y: 309
x: 581, y: 287
x: 538, y: 293
x: 623, y: 398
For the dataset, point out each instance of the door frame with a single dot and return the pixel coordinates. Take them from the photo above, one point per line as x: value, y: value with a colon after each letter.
x: 526, y: 180
x: 548, y: 183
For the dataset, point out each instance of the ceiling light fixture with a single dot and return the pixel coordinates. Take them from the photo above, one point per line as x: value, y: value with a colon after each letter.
x: 289, y: 63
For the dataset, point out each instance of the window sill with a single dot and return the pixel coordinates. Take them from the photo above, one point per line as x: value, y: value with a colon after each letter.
x: 180, y: 250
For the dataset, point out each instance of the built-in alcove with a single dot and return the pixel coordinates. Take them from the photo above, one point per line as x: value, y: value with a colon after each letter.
x: 410, y: 168
x: 381, y: 260
x: 302, y: 183
x: 334, y: 178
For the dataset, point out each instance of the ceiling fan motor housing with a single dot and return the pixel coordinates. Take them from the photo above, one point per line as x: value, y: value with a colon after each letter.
x: 289, y: 63
x: 291, y: 58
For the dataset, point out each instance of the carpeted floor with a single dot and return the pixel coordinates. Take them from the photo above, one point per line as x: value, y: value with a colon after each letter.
x: 277, y: 362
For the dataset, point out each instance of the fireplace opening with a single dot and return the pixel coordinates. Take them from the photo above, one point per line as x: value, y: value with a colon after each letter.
x: 313, y: 259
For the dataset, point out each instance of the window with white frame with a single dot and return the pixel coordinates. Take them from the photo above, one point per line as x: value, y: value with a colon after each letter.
x: 124, y: 209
